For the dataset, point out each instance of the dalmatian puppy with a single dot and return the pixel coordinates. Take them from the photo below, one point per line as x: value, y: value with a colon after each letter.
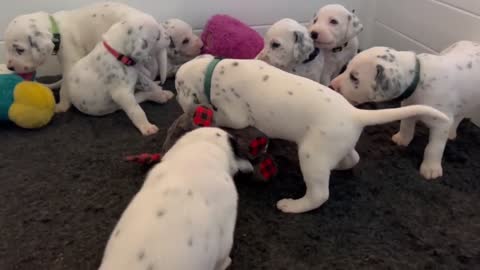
x: 448, y: 82
x: 104, y: 80
x: 289, y: 107
x: 184, y: 44
x: 334, y: 29
x: 31, y: 38
x: 182, y: 219
x: 288, y: 46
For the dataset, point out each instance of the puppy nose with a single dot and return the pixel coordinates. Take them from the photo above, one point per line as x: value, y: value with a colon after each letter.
x: 11, y: 68
x: 314, y: 35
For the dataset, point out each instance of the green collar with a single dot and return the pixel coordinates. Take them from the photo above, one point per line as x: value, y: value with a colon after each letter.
x: 413, y: 86
x: 56, y: 39
x: 208, y: 78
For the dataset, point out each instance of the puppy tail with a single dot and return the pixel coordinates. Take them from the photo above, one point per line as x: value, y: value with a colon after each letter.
x: 54, y: 85
x: 379, y: 117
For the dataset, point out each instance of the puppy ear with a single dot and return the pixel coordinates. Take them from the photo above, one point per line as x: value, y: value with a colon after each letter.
x: 303, y: 46
x: 382, y: 80
x: 41, y: 46
x: 354, y: 26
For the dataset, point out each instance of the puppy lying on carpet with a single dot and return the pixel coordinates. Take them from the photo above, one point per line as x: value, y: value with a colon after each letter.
x: 182, y: 218
x: 70, y: 34
x: 323, y: 124
x: 104, y: 80
x: 288, y: 46
x: 448, y: 82
x: 334, y: 30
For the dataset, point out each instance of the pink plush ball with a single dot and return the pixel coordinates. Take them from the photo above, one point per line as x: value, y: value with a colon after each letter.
x: 227, y: 37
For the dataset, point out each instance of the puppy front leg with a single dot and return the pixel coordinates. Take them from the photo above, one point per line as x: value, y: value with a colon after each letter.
x: 126, y: 100
x: 69, y: 57
x: 453, y: 130
x: 153, y: 91
x: 407, y: 130
x: 431, y: 167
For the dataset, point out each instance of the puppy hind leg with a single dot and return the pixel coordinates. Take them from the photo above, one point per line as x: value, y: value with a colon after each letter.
x: 431, y: 167
x: 128, y: 102
x: 316, y: 164
x: 64, y: 103
x: 453, y: 129
x: 348, y: 162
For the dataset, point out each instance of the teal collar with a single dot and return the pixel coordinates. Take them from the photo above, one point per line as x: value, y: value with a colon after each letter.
x: 413, y: 86
x: 207, y: 86
x: 56, y: 39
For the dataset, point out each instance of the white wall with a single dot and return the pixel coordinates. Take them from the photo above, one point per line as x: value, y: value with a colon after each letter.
x: 257, y: 13
x: 424, y: 25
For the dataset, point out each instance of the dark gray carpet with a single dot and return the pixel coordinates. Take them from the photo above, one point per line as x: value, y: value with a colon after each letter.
x: 63, y: 188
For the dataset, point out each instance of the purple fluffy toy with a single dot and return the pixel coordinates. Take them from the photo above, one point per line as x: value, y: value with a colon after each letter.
x: 227, y: 37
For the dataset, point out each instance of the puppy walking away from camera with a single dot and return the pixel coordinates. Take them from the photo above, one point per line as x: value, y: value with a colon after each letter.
x: 104, y: 81
x: 285, y: 106
x: 449, y: 82
x: 182, y: 219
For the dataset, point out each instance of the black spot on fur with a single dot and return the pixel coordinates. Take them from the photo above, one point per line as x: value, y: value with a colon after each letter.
x: 190, y: 241
x: 235, y: 64
x: 144, y: 44
x: 160, y: 213
x: 349, y: 17
x: 99, y: 58
x: 190, y: 193
x: 117, y: 233
x: 130, y: 31
x: 290, y: 93
x: 459, y: 68
x: 328, y: 99
x: 140, y: 27
x: 141, y: 255
x: 265, y: 78
x: 307, y: 155
x: 94, y: 15
x: 470, y: 65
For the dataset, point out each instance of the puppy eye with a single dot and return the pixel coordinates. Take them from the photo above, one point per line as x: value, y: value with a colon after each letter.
x: 315, y: 20
x: 353, y: 78
x: 19, y: 51
x: 333, y: 22
x: 185, y: 41
x: 275, y: 45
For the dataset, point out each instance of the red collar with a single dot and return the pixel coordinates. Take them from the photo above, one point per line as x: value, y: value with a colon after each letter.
x: 120, y: 57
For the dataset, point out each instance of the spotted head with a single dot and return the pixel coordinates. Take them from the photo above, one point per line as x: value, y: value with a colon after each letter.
x: 183, y: 44
x: 287, y: 44
x: 28, y: 42
x: 376, y: 75
x: 333, y: 26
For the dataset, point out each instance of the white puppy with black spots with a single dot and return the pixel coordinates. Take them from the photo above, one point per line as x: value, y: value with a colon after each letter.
x: 285, y: 106
x: 288, y: 46
x: 104, y: 81
x: 184, y: 45
x: 71, y: 34
x: 182, y: 219
x: 334, y: 29
x: 449, y: 82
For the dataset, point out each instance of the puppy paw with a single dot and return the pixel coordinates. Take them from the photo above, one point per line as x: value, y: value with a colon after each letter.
x: 148, y: 129
x: 291, y: 206
x: 401, y: 140
x: 161, y: 96
x: 244, y: 166
x: 61, y: 107
x: 452, y: 135
x: 431, y: 170
x: 226, y: 263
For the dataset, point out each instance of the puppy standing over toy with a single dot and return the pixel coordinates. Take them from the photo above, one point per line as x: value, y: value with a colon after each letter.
x: 334, y: 30
x: 104, y: 80
x: 286, y: 106
x: 182, y: 219
x: 31, y: 38
x: 449, y: 82
x: 288, y: 46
